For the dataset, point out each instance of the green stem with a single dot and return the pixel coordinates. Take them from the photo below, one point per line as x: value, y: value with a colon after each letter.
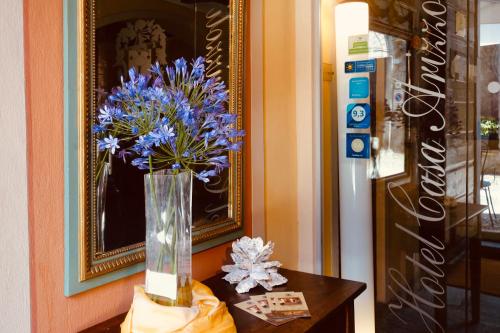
x: 153, y: 190
x: 100, y: 166
x: 173, y: 249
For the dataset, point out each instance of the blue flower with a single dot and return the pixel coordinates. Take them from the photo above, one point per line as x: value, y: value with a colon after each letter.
x: 228, y: 118
x: 158, y: 82
x: 198, y: 68
x: 123, y: 154
x: 187, y: 116
x: 167, y: 132
x: 208, y: 85
x: 203, y: 176
x: 147, y: 152
x: 218, y: 159
x: 221, y: 141
x: 143, y: 145
x: 116, y: 95
x: 118, y: 114
x: 106, y: 115
x: 101, y: 145
x: 183, y: 113
x: 208, y: 136
x: 132, y: 73
x: 111, y: 144
x: 170, y: 74
x: 142, y: 82
x: 156, y: 69
x: 162, y: 135
x: 180, y: 66
x: 164, y: 121
x: 145, y: 141
x: 98, y: 128
x: 233, y: 133
x: 141, y: 163
x: 181, y: 102
x: 235, y: 146
x: 220, y: 162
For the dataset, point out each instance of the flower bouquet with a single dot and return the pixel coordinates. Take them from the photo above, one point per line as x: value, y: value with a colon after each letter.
x: 174, y: 123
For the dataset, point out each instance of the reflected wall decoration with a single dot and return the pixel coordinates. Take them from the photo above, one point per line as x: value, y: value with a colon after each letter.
x: 105, y: 218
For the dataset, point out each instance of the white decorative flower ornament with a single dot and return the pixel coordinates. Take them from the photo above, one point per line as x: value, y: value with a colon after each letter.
x: 251, y: 267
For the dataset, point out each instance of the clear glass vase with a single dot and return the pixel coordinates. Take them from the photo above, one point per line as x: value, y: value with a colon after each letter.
x: 168, y: 237
x: 102, y: 186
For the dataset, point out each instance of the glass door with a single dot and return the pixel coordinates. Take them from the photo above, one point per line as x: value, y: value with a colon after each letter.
x: 434, y: 144
x: 417, y: 137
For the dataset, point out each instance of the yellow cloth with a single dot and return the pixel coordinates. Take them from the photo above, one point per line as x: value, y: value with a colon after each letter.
x: 207, y: 314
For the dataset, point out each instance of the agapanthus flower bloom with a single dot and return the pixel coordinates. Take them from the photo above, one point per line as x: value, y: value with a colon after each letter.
x: 198, y: 68
x: 106, y: 115
x: 111, y: 144
x: 98, y: 128
x: 162, y: 135
x: 140, y: 163
x: 174, y: 118
x: 205, y: 175
x: 123, y: 155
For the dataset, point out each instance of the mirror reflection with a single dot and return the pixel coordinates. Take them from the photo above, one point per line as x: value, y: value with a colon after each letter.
x: 137, y: 34
x: 389, y: 129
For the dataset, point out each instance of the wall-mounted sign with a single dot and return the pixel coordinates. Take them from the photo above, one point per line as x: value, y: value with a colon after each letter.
x: 358, y: 44
x: 360, y: 66
x: 358, y: 115
x: 358, y: 145
x: 359, y: 87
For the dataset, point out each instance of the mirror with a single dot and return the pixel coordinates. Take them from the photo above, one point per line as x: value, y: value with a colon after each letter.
x: 113, y: 36
x: 388, y: 129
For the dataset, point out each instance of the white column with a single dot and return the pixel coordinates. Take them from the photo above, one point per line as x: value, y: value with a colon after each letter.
x: 354, y: 184
x: 14, y: 260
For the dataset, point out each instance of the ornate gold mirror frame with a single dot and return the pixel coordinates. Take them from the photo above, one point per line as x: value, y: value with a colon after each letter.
x: 92, y: 261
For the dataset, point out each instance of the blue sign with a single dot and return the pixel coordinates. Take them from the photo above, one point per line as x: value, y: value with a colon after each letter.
x: 358, y: 145
x: 359, y: 87
x: 358, y: 115
x: 361, y: 66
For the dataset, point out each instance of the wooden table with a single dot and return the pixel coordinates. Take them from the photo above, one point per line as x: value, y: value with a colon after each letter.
x: 330, y: 301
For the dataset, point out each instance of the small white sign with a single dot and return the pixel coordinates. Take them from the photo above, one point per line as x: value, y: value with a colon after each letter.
x: 358, y: 113
x: 161, y: 284
x: 358, y: 44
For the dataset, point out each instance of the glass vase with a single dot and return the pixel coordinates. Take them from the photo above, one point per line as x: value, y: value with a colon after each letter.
x: 101, y: 189
x: 168, y: 237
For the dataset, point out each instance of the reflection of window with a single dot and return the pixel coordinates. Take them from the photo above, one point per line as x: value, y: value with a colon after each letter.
x: 388, y: 148
x: 378, y: 45
x: 489, y: 34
